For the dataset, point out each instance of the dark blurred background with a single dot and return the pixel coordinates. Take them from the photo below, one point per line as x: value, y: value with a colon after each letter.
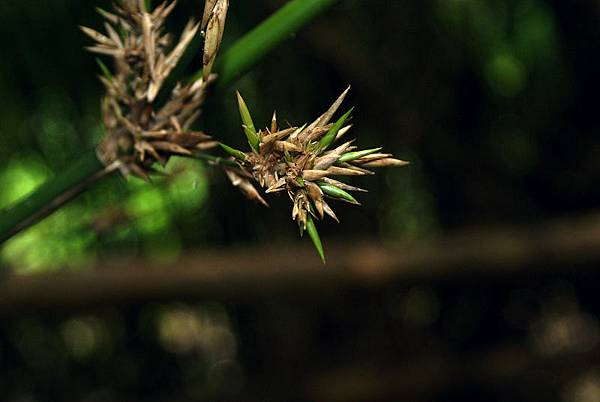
x: 493, y: 102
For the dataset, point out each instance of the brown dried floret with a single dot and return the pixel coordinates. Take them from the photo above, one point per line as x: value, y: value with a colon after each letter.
x: 140, y: 130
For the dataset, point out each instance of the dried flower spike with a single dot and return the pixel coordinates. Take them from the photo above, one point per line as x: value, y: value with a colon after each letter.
x: 303, y: 162
x: 140, y: 132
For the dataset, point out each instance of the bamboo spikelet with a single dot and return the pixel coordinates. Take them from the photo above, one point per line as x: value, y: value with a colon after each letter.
x: 302, y: 162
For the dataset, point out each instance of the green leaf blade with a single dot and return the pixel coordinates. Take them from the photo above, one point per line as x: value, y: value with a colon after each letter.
x: 105, y: 71
x: 314, y: 236
x: 237, y: 154
x: 351, y: 156
x: 337, y: 192
x: 247, y: 123
x: 328, y: 138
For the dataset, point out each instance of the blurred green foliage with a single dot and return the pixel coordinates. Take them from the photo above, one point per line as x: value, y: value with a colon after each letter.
x: 510, y: 40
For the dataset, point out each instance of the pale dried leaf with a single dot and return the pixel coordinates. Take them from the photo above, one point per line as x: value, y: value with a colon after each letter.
x: 387, y: 162
x: 277, y: 135
x: 279, y: 185
x: 343, y: 131
x: 326, y: 117
x: 330, y: 212
x: 170, y: 147
x: 285, y: 146
x: 342, y: 185
x: 245, y: 186
x: 274, y: 122
x: 149, y: 44
x: 314, y: 175
x: 341, y: 171
x: 97, y: 36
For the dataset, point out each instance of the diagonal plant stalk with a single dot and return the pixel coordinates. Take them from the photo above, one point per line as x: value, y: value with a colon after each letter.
x: 240, y: 58
x: 52, y: 195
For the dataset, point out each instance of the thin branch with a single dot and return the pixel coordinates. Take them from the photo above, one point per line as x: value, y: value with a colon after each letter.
x: 213, y: 160
x: 277, y: 273
x: 63, y: 198
x: 51, y: 195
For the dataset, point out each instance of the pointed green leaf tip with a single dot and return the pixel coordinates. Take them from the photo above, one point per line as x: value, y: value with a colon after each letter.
x: 105, y: 71
x: 314, y: 236
x: 350, y: 156
x: 248, y: 124
x: 102, y: 12
x: 233, y: 152
x: 337, y: 192
x: 328, y: 138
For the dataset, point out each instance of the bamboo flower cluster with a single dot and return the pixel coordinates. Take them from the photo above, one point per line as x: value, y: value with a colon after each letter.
x: 139, y: 130
x: 303, y: 162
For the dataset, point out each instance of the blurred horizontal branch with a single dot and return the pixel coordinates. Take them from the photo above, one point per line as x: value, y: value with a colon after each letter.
x: 295, y: 272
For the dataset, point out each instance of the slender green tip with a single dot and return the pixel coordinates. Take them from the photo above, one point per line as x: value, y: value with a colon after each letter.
x: 105, y: 71
x: 329, y: 138
x: 102, y: 11
x: 314, y: 236
x: 337, y: 192
x: 350, y: 156
x: 247, y: 123
x: 233, y: 152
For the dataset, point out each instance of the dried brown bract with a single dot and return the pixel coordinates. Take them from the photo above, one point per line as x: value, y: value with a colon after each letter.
x: 302, y: 162
x: 139, y: 130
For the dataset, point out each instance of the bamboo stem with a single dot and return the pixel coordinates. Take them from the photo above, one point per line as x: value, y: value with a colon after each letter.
x: 248, y: 51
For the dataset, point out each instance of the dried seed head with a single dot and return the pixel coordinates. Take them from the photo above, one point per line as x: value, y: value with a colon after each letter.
x: 302, y: 162
x: 139, y: 132
x: 214, y: 33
